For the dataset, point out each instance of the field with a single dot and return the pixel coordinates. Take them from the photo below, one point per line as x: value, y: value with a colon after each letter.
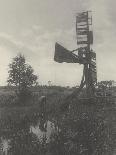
x: 87, y: 127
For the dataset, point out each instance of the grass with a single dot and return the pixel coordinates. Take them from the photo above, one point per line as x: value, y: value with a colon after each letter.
x: 79, y: 122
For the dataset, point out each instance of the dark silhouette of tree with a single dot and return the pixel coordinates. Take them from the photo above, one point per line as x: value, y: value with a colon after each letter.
x: 105, y: 86
x: 21, y: 75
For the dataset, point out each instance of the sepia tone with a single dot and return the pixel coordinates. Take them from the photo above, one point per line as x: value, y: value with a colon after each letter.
x: 58, y: 81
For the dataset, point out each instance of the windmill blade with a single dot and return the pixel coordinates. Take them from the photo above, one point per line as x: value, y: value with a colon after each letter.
x: 64, y: 55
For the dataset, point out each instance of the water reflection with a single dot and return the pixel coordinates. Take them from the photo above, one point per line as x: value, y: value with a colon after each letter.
x: 4, y: 145
x: 40, y: 133
x: 26, y: 135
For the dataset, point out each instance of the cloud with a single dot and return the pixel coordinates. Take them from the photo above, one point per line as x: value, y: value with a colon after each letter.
x: 36, y: 28
x: 104, y: 39
x: 39, y: 52
x: 44, y: 46
x: 5, y: 58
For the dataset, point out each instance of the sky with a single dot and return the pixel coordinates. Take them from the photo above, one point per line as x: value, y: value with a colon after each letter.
x: 32, y: 27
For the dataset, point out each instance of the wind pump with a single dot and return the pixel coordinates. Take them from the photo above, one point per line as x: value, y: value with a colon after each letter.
x: 85, y: 55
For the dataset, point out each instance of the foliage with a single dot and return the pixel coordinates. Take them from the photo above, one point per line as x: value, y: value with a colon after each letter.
x: 84, y: 130
x: 105, y: 84
x: 21, y: 75
x: 105, y: 87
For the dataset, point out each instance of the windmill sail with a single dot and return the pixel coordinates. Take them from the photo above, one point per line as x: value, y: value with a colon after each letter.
x: 64, y: 55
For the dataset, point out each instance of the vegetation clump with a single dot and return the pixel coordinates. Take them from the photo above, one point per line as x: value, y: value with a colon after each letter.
x: 21, y: 75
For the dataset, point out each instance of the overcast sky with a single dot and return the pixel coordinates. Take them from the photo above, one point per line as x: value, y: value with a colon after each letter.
x: 33, y: 26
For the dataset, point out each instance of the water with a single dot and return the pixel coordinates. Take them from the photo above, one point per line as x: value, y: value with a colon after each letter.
x: 50, y: 129
x: 25, y: 135
x: 32, y: 133
x: 5, y: 146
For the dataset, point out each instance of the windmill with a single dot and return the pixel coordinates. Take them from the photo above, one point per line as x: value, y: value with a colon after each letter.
x: 86, y: 56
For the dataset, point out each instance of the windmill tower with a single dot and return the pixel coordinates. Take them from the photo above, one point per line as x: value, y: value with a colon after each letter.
x: 86, y: 56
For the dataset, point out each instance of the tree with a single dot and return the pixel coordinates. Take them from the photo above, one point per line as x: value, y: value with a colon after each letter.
x: 105, y: 87
x: 21, y: 75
